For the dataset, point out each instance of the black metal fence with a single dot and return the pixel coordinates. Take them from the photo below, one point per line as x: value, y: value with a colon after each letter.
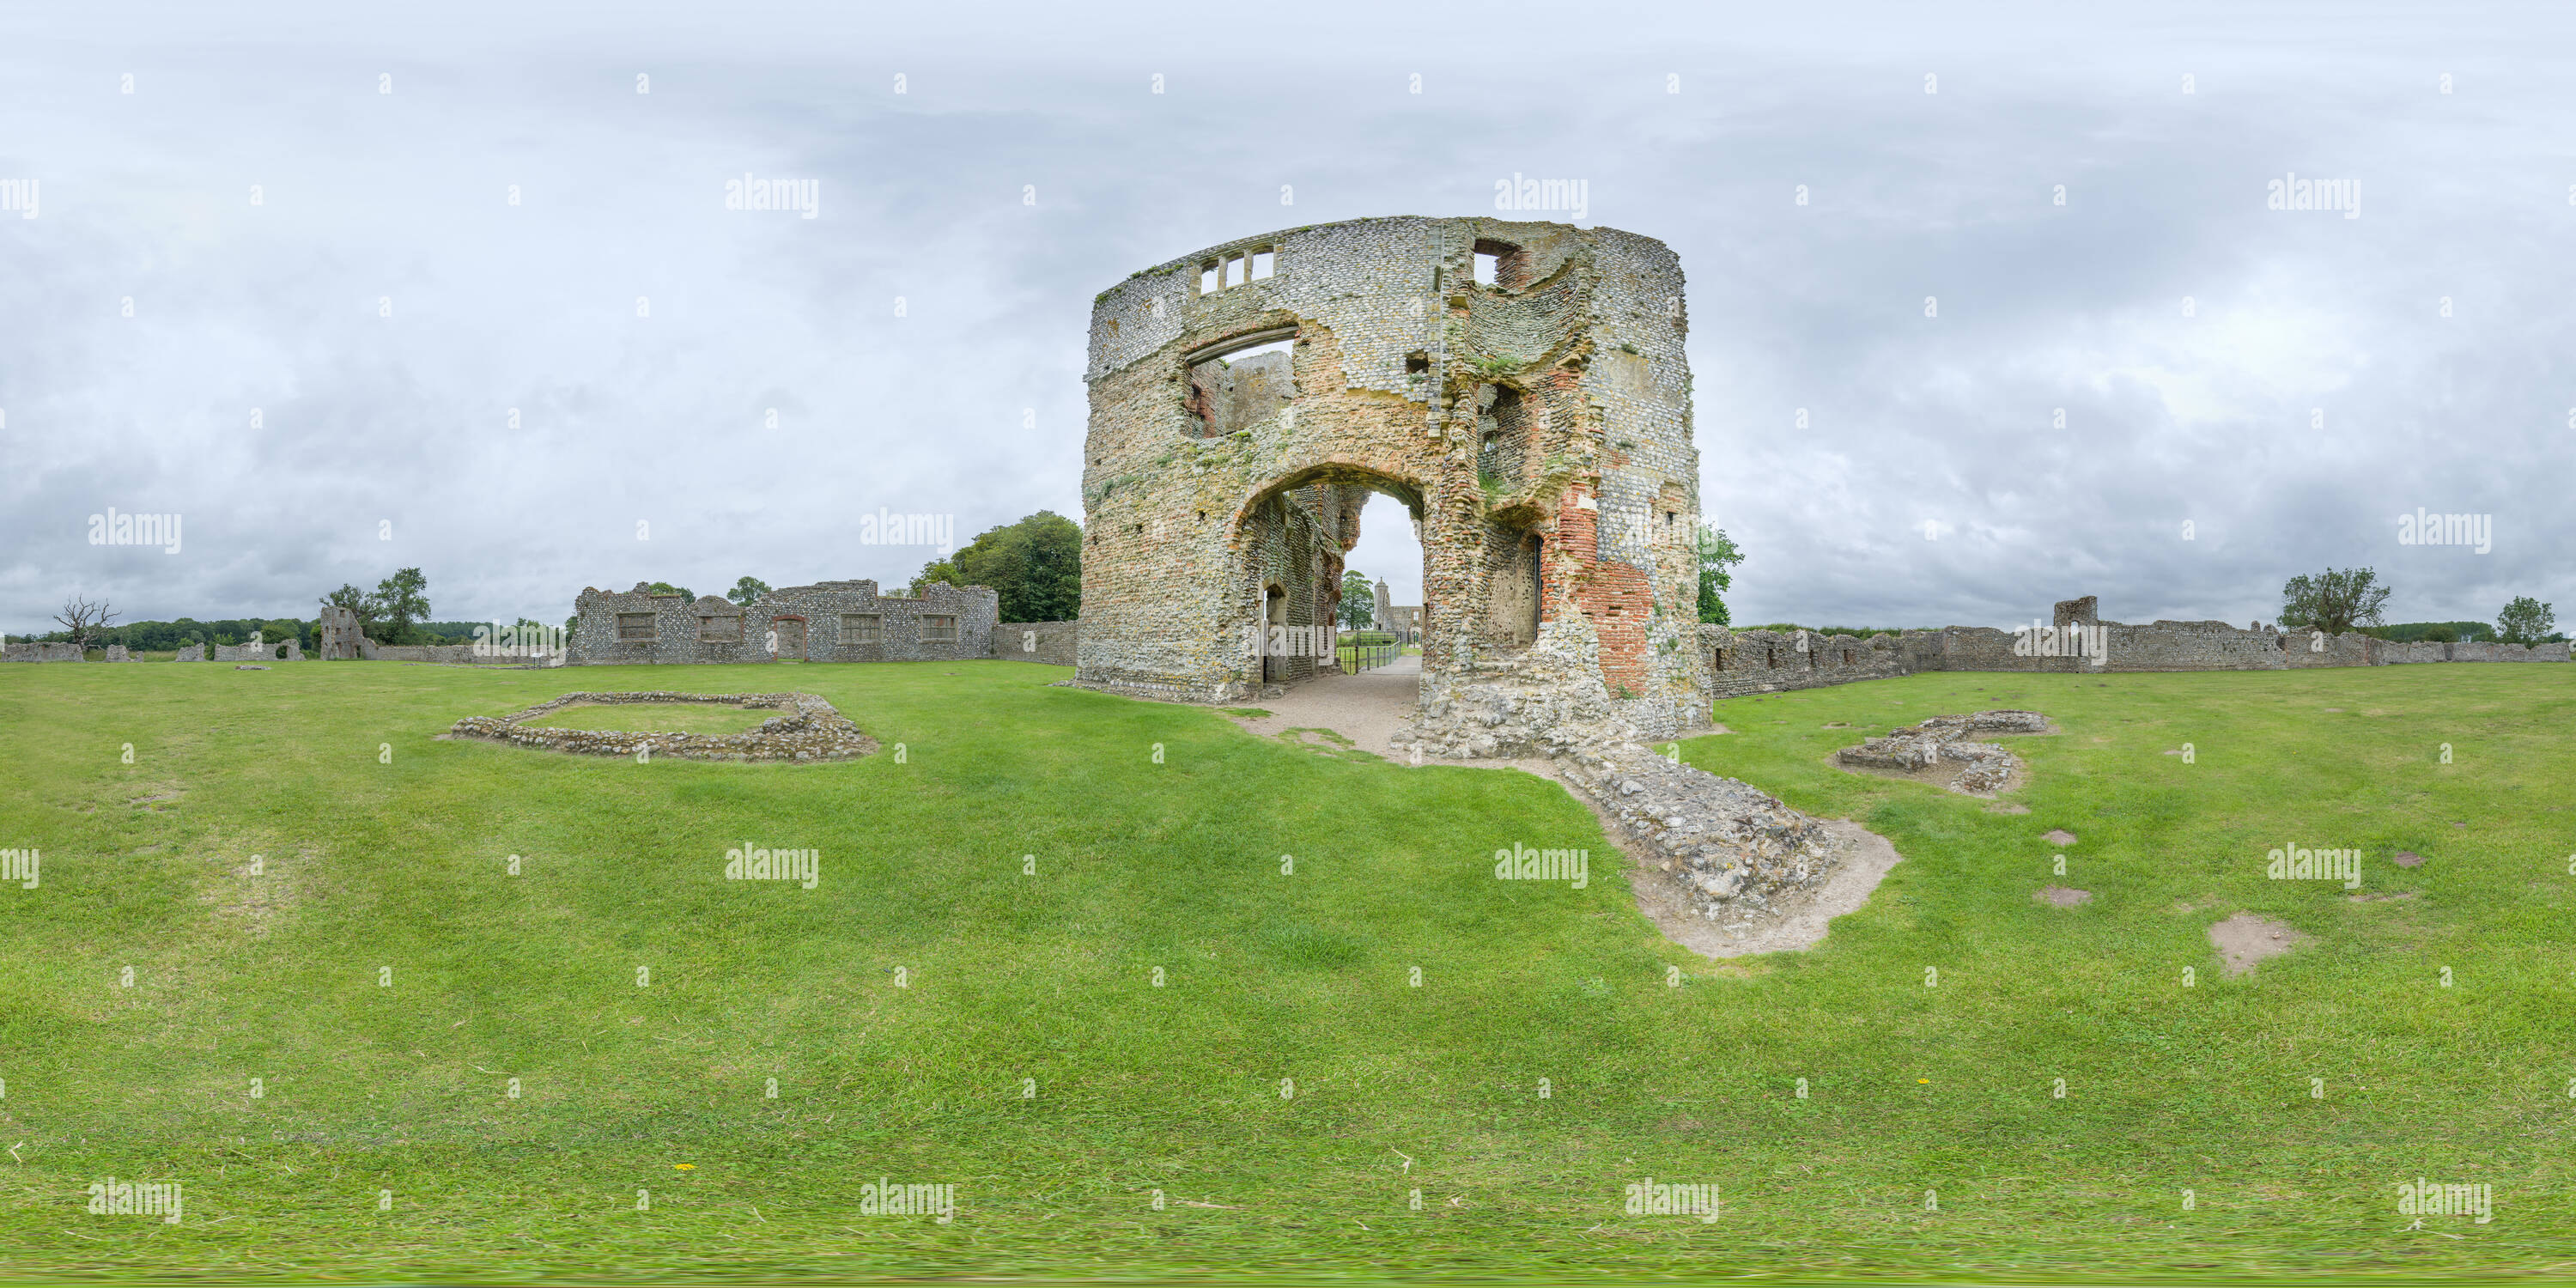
x: 1361, y: 657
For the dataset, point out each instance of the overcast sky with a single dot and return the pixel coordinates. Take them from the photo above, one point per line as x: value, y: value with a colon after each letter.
x: 320, y: 382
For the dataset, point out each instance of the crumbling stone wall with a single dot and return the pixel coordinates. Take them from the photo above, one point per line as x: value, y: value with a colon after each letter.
x: 285, y: 651
x: 63, y: 652
x: 1537, y: 428
x: 1052, y: 643
x: 1741, y: 662
x: 830, y: 621
x: 1758, y: 661
x: 338, y: 637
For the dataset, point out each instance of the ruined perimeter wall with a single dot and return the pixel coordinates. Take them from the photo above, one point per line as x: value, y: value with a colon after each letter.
x: 1761, y: 661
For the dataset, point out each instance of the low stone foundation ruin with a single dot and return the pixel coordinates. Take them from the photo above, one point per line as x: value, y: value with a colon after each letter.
x: 809, y: 728
x: 1984, y: 768
x: 1734, y: 850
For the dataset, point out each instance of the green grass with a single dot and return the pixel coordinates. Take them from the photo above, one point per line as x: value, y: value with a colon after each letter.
x: 910, y: 1005
x: 654, y: 717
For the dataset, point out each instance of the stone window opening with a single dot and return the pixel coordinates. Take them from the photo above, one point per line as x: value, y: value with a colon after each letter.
x: 1501, y: 265
x: 938, y: 628
x: 1417, y: 363
x: 720, y: 629
x: 1503, y: 438
x: 1238, y: 268
x: 635, y: 626
x: 1236, y: 389
x: 1847, y: 657
x: 862, y: 628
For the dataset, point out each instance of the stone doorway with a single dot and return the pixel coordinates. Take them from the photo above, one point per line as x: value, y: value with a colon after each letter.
x: 791, y: 638
x: 1274, y: 613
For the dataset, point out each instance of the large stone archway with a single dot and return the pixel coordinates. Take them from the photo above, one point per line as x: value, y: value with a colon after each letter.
x: 1246, y: 400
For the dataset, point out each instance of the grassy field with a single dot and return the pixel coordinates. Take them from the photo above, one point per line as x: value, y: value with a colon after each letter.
x: 312, y: 890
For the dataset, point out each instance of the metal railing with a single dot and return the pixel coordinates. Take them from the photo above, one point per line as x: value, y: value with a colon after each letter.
x: 1356, y: 658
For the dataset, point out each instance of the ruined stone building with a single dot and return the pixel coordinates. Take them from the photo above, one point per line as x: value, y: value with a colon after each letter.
x: 1520, y: 387
x: 829, y: 621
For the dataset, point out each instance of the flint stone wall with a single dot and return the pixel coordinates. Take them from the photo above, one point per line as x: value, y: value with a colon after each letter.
x: 714, y: 629
x: 1537, y: 428
x: 1741, y: 662
x: 289, y: 651
x: 1052, y: 643
x: 41, y: 653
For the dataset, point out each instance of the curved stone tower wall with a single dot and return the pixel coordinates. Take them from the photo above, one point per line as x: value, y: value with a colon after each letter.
x: 1538, y: 428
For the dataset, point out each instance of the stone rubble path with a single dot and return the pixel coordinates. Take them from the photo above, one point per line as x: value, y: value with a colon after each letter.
x: 1812, y: 870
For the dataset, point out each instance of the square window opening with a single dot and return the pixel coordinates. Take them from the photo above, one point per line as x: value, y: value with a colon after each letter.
x: 1264, y: 263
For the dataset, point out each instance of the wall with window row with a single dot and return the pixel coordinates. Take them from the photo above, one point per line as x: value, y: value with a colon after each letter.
x: 831, y: 621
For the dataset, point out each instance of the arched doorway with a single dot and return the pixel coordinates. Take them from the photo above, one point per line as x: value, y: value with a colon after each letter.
x: 1291, y: 547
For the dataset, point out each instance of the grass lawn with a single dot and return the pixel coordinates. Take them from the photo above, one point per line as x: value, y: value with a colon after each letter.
x: 969, y: 994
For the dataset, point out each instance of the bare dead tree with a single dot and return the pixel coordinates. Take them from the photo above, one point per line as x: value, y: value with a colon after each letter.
x: 86, y: 621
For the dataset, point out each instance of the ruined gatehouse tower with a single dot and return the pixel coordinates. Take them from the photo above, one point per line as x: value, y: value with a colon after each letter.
x: 1520, y: 387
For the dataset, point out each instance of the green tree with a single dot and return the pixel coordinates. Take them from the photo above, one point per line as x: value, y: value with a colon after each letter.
x: 1717, y: 553
x: 2333, y: 602
x: 666, y: 588
x: 401, y: 600
x: 1034, y: 565
x: 2525, y: 621
x: 1359, y: 603
x: 747, y: 590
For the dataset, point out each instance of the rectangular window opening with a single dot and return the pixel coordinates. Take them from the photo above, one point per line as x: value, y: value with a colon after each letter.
x: 1234, y: 271
x: 1264, y: 263
x: 720, y: 630
x: 938, y: 629
x: 1207, y: 279
x: 1487, y: 268
x: 859, y: 628
x: 635, y: 626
